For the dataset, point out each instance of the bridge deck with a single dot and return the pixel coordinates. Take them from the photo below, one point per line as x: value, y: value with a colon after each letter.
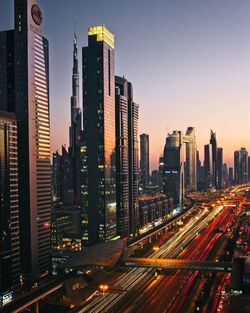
x: 178, y: 264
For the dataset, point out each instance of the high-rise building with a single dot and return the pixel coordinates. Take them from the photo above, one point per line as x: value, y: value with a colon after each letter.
x: 161, y: 170
x: 173, y: 177
x: 243, y: 165
x: 122, y: 166
x: 62, y: 180
x: 28, y: 75
x: 9, y: 209
x: 230, y: 176
x: 126, y: 158
x: 144, y: 160
x: 133, y: 161
x: 219, y: 168
x: 75, y: 127
x: 248, y: 168
x: 214, y: 173
x: 190, y: 160
x: 207, y: 167
x: 98, y: 188
x: 236, y: 167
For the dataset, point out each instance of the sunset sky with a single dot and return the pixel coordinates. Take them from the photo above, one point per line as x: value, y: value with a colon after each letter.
x: 188, y: 60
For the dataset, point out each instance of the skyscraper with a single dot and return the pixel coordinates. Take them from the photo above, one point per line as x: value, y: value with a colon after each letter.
x: 243, y: 165
x: 190, y: 161
x: 29, y: 99
x: 144, y: 160
x: 75, y: 127
x: 214, y: 173
x: 220, y: 167
x: 173, y: 177
x: 207, y: 167
x: 98, y: 188
x: 9, y: 209
x: 126, y: 158
x: 236, y: 167
x: 133, y: 161
x: 122, y: 166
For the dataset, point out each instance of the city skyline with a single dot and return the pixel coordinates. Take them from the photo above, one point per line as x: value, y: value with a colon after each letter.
x: 201, y: 68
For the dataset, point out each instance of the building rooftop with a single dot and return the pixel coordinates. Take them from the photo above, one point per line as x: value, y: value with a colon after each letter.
x: 102, y: 34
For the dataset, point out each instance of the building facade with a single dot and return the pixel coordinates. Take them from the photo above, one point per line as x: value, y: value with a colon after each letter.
x: 29, y: 100
x: 98, y: 187
x: 144, y: 160
x: 75, y: 127
x: 9, y: 207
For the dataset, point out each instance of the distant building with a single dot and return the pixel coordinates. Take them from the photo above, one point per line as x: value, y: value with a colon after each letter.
x: 98, y: 188
x: 241, y: 166
x: 173, y: 177
x: 154, y: 177
x: 219, y: 168
x: 230, y: 176
x: 144, y: 160
x: 214, y: 167
x: 190, y: 161
x: 161, y: 170
x: 248, y: 168
x: 9, y: 207
x: 225, y: 175
x: 75, y: 128
x: 207, y: 167
x: 62, y: 179
x: 237, y: 167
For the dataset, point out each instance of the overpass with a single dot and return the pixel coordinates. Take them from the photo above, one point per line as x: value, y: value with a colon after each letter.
x: 178, y: 264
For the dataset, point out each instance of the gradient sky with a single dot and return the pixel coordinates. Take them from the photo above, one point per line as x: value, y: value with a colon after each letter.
x: 188, y: 60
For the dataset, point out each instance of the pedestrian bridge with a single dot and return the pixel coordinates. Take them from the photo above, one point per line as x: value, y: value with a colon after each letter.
x: 178, y: 264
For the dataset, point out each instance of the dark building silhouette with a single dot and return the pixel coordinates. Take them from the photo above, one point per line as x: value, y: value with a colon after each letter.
x: 220, y: 168
x: 237, y: 167
x: 241, y: 166
x: 98, y: 188
x: 28, y: 80
x: 214, y: 167
x: 230, y: 176
x: 173, y: 177
x: 248, y: 168
x: 144, y: 160
x: 62, y: 180
x: 207, y: 167
x: 75, y: 127
x: 9, y: 208
x: 161, y: 170
x: 155, y: 177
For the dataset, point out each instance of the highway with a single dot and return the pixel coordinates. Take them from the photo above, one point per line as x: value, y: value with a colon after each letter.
x: 170, y: 292
x: 137, y: 279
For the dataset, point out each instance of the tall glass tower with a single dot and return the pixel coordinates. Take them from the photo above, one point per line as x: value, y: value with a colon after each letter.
x: 33, y: 128
x: 98, y: 188
x: 75, y: 127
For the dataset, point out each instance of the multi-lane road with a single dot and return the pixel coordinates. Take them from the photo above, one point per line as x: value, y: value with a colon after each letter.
x: 146, y: 290
x: 143, y: 291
